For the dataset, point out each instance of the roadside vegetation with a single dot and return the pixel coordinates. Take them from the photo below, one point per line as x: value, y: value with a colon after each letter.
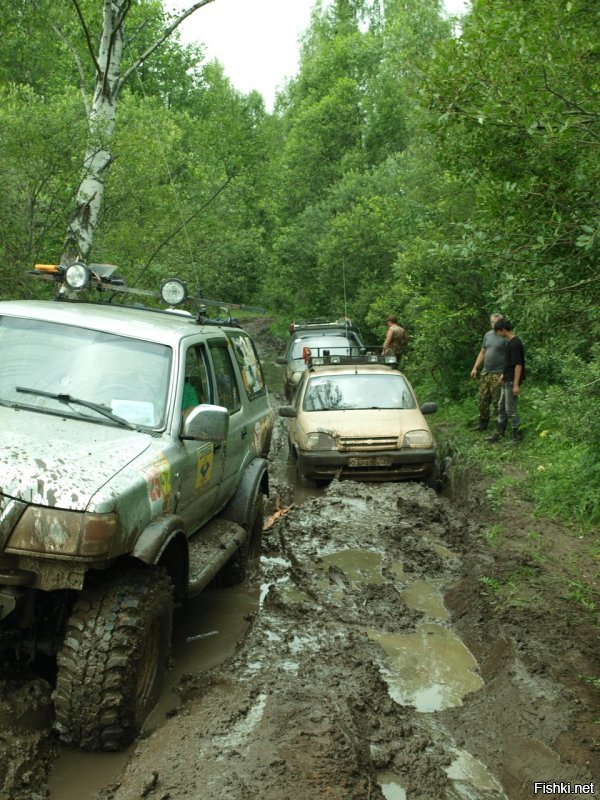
x: 416, y: 166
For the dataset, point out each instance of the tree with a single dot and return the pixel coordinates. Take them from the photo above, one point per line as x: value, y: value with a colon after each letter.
x: 110, y: 77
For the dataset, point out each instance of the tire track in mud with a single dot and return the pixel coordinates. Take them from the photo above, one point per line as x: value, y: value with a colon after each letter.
x: 303, y: 710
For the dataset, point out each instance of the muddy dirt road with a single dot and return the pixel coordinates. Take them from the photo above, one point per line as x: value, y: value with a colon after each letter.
x: 362, y: 662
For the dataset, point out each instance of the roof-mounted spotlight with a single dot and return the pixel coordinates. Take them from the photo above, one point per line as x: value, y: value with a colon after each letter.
x: 77, y: 276
x: 173, y: 292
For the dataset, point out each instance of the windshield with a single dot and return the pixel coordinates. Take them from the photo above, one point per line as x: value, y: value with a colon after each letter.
x: 357, y: 392
x: 326, y: 345
x: 128, y: 376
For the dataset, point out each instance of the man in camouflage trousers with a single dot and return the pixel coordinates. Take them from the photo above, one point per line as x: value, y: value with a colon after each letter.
x: 491, y: 356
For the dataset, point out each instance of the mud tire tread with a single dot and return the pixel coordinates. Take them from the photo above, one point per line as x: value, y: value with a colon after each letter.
x: 97, y: 706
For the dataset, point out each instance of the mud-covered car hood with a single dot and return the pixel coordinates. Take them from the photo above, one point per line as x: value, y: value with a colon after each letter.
x: 360, y: 424
x: 58, y: 462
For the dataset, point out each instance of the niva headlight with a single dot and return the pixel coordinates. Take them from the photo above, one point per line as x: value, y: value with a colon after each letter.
x: 319, y: 441
x: 418, y: 438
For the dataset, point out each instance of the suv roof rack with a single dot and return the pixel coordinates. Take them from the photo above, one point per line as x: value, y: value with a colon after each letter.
x: 321, y: 322
x: 357, y: 360
x: 73, y: 279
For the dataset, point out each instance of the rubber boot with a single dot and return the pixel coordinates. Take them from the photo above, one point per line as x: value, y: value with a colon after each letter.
x: 498, y: 433
x: 483, y: 425
x: 515, y: 437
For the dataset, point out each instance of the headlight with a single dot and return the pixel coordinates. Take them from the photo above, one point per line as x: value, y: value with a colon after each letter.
x: 319, y: 441
x: 295, y: 377
x: 63, y: 533
x: 417, y: 439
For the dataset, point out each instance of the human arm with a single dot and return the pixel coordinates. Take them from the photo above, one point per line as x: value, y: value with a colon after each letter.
x: 478, y: 362
x: 387, y: 342
x: 517, y: 378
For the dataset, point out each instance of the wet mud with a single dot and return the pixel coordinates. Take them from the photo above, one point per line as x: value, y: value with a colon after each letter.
x: 360, y: 662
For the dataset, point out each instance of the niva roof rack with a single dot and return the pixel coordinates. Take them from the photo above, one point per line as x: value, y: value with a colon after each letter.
x: 314, y: 359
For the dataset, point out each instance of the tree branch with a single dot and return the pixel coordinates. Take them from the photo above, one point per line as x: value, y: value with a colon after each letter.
x: 162, y: 38
x: 88, y: 39
x: 573, y: 287
x: 185, y: 222
x: 79, y: 66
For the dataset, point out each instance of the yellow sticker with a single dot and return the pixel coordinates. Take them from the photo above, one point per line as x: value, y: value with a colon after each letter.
x: 204, y: 467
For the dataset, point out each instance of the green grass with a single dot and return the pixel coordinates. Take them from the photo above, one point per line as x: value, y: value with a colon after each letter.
x: 560, y: 475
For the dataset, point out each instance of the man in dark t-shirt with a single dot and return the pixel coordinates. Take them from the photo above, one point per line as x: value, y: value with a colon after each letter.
x: 513, y: 375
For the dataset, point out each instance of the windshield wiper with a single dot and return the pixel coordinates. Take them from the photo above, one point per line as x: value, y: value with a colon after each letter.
x: 68, y: 399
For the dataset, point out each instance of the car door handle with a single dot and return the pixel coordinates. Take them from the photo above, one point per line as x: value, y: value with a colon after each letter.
x: 244, y: 433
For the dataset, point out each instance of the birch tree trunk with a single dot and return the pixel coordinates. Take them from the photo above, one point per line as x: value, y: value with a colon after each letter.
x: 102, y: 113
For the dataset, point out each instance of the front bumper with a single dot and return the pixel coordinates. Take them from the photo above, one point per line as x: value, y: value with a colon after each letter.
x: 384, y: 465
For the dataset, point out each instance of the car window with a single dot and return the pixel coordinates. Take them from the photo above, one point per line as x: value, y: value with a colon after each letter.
x: 250, y: 367
x: 197, y: 387
x: 228, y: 394
x: 128, y: 376
x: 325, y: 345
x: 357, y: 392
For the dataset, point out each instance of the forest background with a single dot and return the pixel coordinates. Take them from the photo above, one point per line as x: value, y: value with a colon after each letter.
x: 412, y: 167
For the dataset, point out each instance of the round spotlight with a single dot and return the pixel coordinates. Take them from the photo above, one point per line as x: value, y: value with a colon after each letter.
x: 77, y: 276
x: 173, y: 292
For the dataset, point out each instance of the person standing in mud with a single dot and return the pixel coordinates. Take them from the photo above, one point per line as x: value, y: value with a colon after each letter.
x: 395, y: 340
x: 513, y: 375
x: 491, y: 356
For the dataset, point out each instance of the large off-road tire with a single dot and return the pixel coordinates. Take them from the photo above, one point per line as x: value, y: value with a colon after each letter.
x: 113, y: 659
x: 237, y: 568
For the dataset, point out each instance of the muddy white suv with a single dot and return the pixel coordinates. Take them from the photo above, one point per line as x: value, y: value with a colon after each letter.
x: 132, y: 471
x: 335, y: 337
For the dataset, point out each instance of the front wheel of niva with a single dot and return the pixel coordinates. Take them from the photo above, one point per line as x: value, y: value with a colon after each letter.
x: 113, y: 659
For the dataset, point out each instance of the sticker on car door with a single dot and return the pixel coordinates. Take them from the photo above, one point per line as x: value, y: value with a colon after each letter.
x: 205, y: 457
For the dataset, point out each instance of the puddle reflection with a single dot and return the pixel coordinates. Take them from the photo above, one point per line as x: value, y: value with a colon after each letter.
x: 430, y: 669
x: 359, y: 566
x: 390, y: 787
x: 425, y: 596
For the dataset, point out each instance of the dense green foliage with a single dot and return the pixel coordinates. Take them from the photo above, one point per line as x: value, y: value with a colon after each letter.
x: 411, y: 167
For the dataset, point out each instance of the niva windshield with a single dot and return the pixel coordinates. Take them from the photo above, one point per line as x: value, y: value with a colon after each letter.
x: 357, y: 392
x: 129, y: 377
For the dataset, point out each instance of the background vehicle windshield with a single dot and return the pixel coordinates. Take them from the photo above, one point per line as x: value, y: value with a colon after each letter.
x: 128, y: 376
x: 336, y: 345
x: 356, y: 392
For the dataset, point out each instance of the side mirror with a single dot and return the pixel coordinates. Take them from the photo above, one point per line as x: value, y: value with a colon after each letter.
x: 281, y: 360
x: 287, y: 411
x: 206, y: 422
x: 428, y: 408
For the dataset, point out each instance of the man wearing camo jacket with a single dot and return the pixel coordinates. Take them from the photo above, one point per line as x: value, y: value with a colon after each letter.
x: 491, y: 356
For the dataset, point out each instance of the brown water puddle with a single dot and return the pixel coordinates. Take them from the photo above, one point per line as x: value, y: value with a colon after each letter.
x: 430, y: 669
x: 206, y: 632
x: 359, y: 566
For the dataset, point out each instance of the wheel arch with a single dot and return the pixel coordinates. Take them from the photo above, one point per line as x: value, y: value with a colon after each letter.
x: 164, y: 542
x: 254, y: 480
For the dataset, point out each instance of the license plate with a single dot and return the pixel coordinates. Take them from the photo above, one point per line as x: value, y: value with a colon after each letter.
x: 376, y: 461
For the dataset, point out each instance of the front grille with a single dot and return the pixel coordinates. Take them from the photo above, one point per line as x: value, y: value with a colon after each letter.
x: 367, y: 443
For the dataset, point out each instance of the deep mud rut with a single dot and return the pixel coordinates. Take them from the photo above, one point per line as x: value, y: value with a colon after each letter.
x: 368, y: 667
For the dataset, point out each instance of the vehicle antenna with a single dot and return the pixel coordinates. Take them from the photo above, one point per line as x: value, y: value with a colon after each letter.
x: 171, y: 181
x: 345, y: 299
